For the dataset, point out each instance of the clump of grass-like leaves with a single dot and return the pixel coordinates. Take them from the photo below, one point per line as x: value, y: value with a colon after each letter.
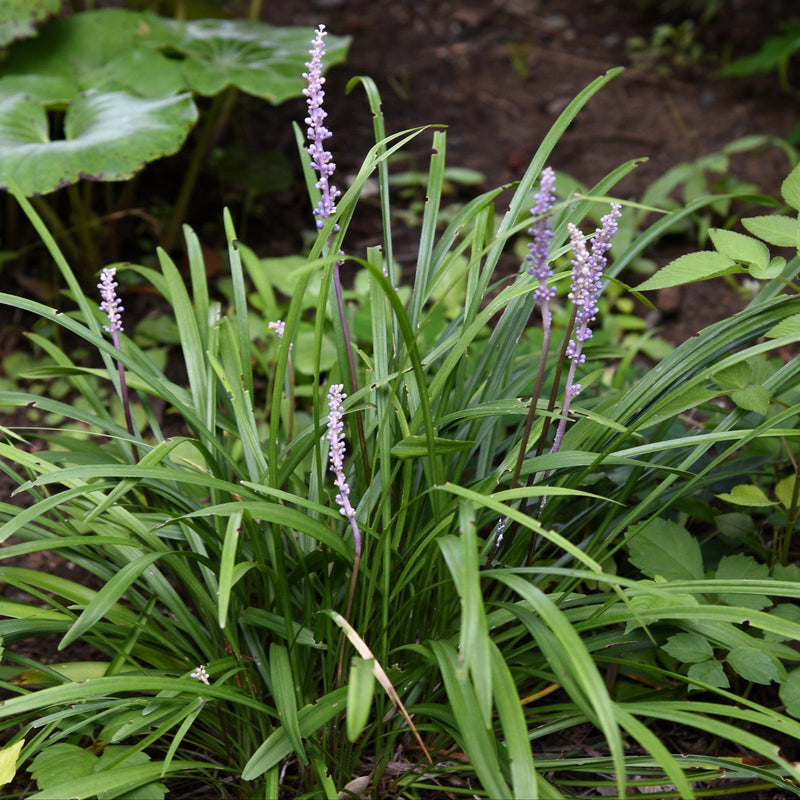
x: 504, y: 593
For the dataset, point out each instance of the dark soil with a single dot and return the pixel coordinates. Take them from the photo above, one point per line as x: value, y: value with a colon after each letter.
x: 497, y: 73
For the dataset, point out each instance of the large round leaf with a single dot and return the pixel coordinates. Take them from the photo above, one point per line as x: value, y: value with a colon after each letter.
x: 19, y: 18
x: 104, y: 50
x: 259, y: 59
x: 108, y: 136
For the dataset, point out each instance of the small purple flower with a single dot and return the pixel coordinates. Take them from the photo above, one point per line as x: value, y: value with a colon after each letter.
x: 542, y: 232
x: 337, y: 453
x: 111, y: 304
x: 321, y: 159
x: 587, y: 273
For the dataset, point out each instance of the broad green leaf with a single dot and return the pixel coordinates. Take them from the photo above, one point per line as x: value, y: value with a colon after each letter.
x: 692, y: 267
x: 103, y: 50
x: 360, y: 694
x: 740, y: 247
x: 19, y: 18
x: 736, y: 375
x: 107, y: 136
x: 790, y: 189
x: 740, y: 567
x: 784, y: 490
x: 115, y: 756
x: 61, y: 762
x: 259, y: 59
x: 710, y: 672
x: 776, y: 229
x: 752, y: 398
x: 753, y: 665
x: 689, y: 648
x: 303, y: 353
x: 664, y: 548
x: 745, y: 494
x: 8, y: 761
x: 789, y: 693
x: 775, y: 267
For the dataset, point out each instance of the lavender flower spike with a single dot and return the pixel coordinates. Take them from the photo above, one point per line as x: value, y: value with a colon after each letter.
x: 542, y: 232
x: 587, y: 273
x: 337, y: 453
x: 321, y: 159
x: 111, y: 304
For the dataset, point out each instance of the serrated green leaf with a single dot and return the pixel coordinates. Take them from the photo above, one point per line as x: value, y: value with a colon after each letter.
x: 692, y: 267
x: 784, y: 490
x: 740, y: 247
x: 709, y: 672
x: 661, y: 547
x: 752, y: 398
x: 789, y: 693
x: 786, y: 327
x: 59, y: 763
x: 741, y: 567
x: 790, y: 188
x: 753, y: 665
x: 689, y: 648
x: 8, y: 761
x: 745, y: 494
x: 776, y: 229
x: 736, y: 375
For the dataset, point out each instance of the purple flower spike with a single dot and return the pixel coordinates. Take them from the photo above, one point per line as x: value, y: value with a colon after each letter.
x: 111, y: 304
x: 321, y: 159
x: 542, y: 232
x: 587, y: 273
x: 337, y: 453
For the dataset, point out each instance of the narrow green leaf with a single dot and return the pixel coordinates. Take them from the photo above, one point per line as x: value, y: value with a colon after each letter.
x: 278, y: 746
x: 283, y: 691
x: 360, y: 694
x: 417, y: 446
x: 226, y: 567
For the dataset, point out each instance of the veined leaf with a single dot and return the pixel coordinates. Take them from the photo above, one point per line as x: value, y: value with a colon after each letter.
x: 692, y: 267
x: 777, y: 229
x: 661, y: 547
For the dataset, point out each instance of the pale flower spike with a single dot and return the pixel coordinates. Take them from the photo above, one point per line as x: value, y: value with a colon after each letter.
x: 317, y: 133
x: 111, y: 304
x: 542, y: 232
x: 337, y: 453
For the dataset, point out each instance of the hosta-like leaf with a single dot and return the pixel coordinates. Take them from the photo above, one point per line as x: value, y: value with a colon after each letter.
x: 259, y: 59
x: 108, y: 136
x: 19, y: 18
x: 105, y: 49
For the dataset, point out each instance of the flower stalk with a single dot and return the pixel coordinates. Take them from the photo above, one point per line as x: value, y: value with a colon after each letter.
x: 112, y: 306
x: 323, y: 164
